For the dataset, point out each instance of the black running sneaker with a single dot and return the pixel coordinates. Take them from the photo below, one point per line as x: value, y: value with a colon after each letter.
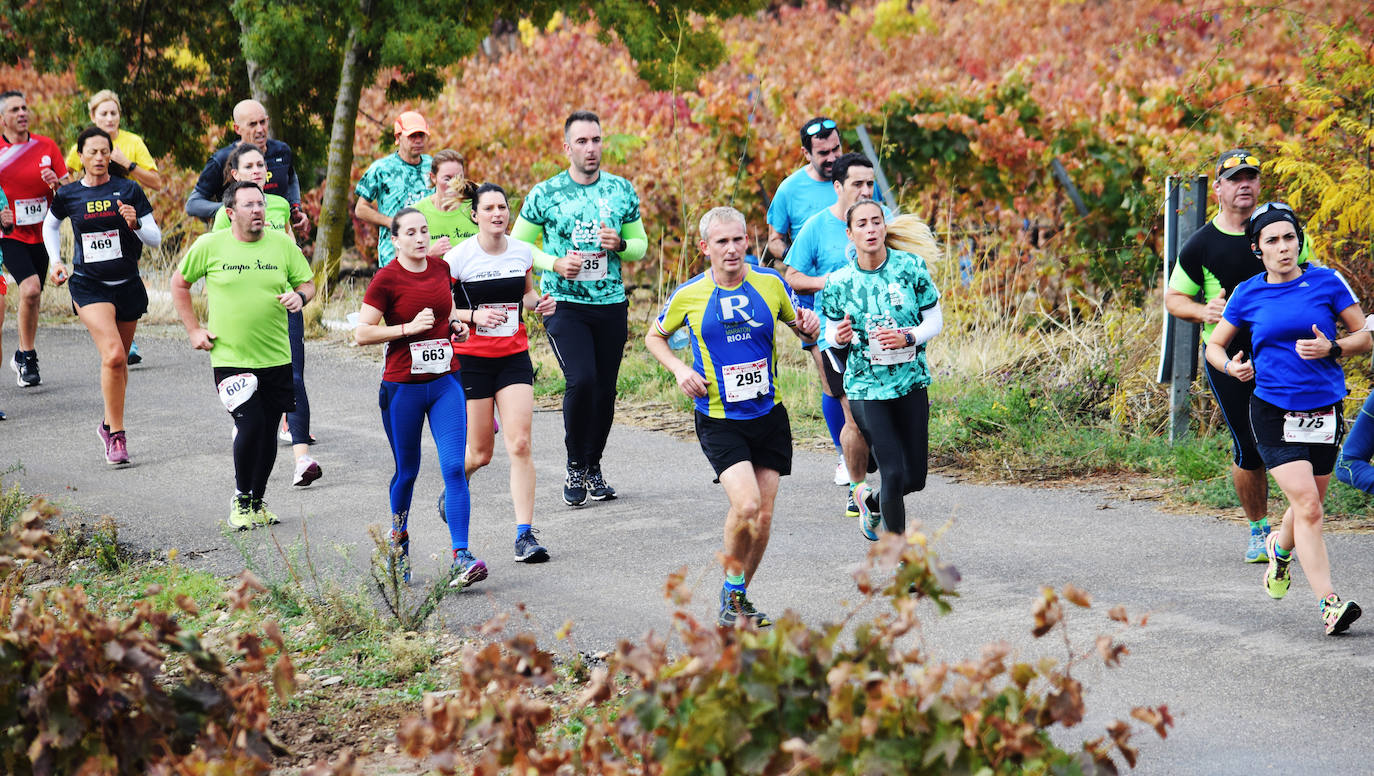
x: 443, y: 506
x: 25, y: 365
x: 575, y: 487
x: 596, y: 483
x: 528, y: 549
x: 737, y: 607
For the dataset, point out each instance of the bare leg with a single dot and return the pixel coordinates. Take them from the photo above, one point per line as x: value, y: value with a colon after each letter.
x: 1252, y: 488
x: 111, y: 339
x: 516, y: 404
x: 855, y: 448
x: 1302, y: 523
x: 481, y: 436
x: 742, y: 489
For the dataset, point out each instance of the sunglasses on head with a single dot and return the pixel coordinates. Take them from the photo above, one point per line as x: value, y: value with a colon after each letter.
x: 815, y: 128
x: 1266, y: 207
x: 1235, y: 161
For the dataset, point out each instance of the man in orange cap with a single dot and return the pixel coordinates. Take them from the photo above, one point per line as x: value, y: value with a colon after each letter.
x: 395, y: 181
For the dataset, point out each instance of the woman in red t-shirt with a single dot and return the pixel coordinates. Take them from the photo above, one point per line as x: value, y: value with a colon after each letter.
x: 493, y: 280
x: 420, y: 380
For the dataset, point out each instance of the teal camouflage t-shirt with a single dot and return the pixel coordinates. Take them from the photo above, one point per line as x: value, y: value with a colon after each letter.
x: 571, y: 215
x: 391, y: 184
x: 894, y: 296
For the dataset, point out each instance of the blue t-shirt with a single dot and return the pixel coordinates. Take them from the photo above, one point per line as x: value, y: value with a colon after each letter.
x: 797, y: 199
x: 733, y: 336
x: 1280, y: 314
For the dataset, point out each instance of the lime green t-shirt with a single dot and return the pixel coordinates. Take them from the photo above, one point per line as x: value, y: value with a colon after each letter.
x: 278, y: 214
x: 456, y: 224
x: 242, y: 282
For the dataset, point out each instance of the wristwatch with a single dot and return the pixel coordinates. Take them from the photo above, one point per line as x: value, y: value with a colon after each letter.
x: 910, y: 340
x: 133, y: 166
x: 1335, y: 351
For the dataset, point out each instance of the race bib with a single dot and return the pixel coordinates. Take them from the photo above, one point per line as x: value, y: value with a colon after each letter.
x: 1310, y: 428
x: 28, y: 212
x: 593, y: 265
x: 430, y: 357
x: 101, y: 246
x: 234, y: 390
x: 506, y: 329
x: 745, y: 381
x: 887, y: 357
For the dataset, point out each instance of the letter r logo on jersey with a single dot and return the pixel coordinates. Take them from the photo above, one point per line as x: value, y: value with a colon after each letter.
x: 733, y: 306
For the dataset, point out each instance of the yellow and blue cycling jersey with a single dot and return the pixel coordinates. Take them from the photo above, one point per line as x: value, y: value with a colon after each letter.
x: 733, y: 336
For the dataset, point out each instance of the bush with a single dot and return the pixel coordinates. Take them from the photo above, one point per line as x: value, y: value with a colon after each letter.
x: 791, y: 699
x: 84, y: 694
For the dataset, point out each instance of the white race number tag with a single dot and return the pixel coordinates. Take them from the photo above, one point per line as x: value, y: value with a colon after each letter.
x: 506, y: 329
x: 28, y: 212
x: 593, y: 265
x: 1311, y: 428
x: 745, y: 381
x: 101, y: 246
x: 234, y: 390
x: 430, y: 357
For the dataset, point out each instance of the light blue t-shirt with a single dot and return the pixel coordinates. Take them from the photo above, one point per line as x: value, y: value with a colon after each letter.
x: 797, y: 199
x: 821, y: 247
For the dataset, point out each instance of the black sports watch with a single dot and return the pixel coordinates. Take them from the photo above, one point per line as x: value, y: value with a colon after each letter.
x: 1335, y: 350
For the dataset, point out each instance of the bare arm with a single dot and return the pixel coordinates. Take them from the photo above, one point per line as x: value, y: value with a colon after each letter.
x: 777, y: 243
x: 688, y: 380
x: 802, y: 283
x: 1182, y: 306
x: 1239, y: 367
x: 201, y: 338
x: 366, y: 211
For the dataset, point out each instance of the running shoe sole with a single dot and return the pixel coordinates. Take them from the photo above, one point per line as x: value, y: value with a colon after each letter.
x: 572, y: 503
x: 868, y: 521
x: 538, y: 556
x: 19, y: 375
x: 1350, y: 612
x: 602, y: 497
x: 311, y: 473
x: 470, y: 575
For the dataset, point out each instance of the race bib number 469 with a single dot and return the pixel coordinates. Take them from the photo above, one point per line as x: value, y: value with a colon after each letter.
x: 100, y: 246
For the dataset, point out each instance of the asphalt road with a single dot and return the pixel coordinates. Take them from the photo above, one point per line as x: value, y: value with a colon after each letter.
x: 1253, y: 683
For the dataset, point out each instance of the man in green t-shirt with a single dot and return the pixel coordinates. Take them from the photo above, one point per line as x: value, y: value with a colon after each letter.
x: 253, y: 277
x: 589, y: 222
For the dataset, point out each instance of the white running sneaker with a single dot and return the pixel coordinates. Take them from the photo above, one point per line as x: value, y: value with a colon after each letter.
x: 841, y: 473
x: 307, y: 471
x: 284, y: 432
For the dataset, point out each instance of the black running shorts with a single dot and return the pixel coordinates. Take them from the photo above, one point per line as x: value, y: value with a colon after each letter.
x: 765, y: 441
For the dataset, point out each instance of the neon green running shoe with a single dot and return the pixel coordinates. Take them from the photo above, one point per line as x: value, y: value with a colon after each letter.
x: 262, y: 515
x: 241, y: 512
x: 1276, y: 577
x: 1338, y: 614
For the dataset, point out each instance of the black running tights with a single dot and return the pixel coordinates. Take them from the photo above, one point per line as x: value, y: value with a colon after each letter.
x: 255, y: 446
x: 589, y: 341
x: 898, y: 434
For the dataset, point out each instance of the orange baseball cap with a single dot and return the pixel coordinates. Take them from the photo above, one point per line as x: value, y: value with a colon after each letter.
x: 409, y: 123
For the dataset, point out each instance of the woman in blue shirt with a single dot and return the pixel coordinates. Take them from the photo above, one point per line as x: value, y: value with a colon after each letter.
x: 1292, y: 312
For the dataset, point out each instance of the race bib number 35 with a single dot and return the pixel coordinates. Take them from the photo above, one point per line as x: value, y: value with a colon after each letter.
x: 593, y: 264
x: 1310, y: 428
x: 430, y: 357
x: 101, y: 246
x: 745, y: 381
x: 28, y: 212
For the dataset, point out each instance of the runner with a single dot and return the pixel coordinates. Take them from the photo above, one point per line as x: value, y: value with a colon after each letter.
x: 1213, y: 261
x: 395, y: 181
x: 130, y: 152
x: 246, y: 163
x: 111, y: 222
x: 448, y: 211
x: 807, y: 191
x: 31, y: 169
x: 885, y: 307
x: 590, y: 225
x: 1291, y: 311
x: 254, y: 277
x: 494, y: 279
x: 252, y: 126
x: 6, y: 223
x: 731, y: 311
x: 822, y: 246
x: 413, y: 296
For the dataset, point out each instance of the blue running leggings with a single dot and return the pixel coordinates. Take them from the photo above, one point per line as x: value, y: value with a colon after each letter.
x: 404, y: 409
x: 299, y: 421
x: 1353, y: 467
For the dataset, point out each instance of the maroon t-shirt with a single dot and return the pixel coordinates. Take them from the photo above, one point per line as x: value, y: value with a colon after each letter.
x: 401, y: 294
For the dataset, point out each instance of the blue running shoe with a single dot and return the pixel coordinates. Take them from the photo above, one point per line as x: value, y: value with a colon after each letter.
x: 1254, y: 551
x: 528, y: 549
x: 869, y: 518
x: 467, y: 569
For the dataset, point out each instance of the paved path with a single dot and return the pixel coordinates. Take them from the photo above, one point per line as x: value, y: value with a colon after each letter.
x: 1234, y: 667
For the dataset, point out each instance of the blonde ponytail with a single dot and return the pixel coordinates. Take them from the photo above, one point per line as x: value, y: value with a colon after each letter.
x: 909, y: 233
